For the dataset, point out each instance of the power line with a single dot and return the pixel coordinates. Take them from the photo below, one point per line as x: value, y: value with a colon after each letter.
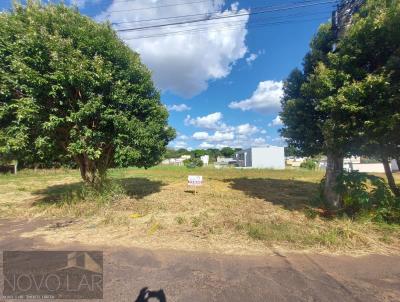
x: 200, y: 14
x: 193, y: 28
x: 158, y: 6
x: 224, y: 16
x: 225, y: 28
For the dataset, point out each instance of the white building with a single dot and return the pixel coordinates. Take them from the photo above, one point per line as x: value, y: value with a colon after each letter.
x: 270, y: 157
x: 295, y: 161
x: 175, y: 161
x: 205, y: 159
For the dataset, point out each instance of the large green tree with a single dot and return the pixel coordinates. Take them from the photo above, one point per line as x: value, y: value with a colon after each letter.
x: 347, y: 101
x: 310, y: 126
x: 70, y: 87
x: 369, y: 55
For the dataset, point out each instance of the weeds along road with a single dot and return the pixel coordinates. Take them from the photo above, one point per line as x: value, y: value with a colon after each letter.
x: 189, y: 276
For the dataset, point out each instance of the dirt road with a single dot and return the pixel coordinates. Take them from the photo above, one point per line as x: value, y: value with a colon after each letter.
x: 185, y: 276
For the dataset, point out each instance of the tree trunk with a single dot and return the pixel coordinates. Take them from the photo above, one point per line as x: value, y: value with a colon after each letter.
x: 89, y: 171
x: 389, y: 176
x: 333, y: 169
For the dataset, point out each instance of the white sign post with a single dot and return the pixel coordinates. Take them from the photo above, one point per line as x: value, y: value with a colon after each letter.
x: 195, y: 181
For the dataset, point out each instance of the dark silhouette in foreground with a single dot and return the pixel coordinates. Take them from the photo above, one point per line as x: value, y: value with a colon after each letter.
x: 145, y: 294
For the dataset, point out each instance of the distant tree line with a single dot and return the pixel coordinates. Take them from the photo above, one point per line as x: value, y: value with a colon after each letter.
x: 197, y: 153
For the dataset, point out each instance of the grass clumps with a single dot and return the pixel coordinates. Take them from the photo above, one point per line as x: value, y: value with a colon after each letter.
x: 332, y: 236
x: 234, y: 210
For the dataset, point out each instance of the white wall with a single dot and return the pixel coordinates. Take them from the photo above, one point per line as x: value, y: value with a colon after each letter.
x: 268, y: 157
x: 369, y: 168
x: 395, y: 165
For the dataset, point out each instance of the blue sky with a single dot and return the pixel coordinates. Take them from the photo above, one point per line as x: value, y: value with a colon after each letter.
x: 220, y: 79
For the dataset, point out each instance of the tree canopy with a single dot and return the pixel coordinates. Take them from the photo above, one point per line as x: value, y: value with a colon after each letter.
x: 69, y: 87
x: 345, y: 101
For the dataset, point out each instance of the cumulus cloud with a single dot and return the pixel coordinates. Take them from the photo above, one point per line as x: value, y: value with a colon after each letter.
x: 178, y: 108
x: 246, y: 129
x: 182, y: 62
x: 182, y: 137
x: 205, y: 145
x: 211, y: 121
x: 276, y: 122
x: 201, y: 135
x: 179, y: 145
x: 224, y: 135
x: 259, y: 141
x: 265, y: 99
x: 218, y: 136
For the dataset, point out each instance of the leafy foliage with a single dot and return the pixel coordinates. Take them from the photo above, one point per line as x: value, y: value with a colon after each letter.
x: 367, y: 193
x: 70, y: 88
x: 309, y: 164
x: 346, y: 101
x: 193, y: 163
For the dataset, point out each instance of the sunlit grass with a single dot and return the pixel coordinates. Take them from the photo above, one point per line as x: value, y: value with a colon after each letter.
x: 239, y: 207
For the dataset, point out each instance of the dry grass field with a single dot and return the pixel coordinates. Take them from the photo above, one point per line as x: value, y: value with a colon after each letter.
x: 235, y: 211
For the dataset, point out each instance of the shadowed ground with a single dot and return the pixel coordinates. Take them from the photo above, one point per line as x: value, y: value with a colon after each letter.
x: 291, y: 194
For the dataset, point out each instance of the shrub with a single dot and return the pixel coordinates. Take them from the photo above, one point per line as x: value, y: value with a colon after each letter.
x: 309, y: 164
x: 193, y: 163
x: 368, y: 193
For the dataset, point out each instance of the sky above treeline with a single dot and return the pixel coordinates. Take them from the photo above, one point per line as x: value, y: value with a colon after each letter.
x: 220, y: 65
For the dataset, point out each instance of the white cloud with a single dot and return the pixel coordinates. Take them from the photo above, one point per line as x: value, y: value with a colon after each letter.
x: 178, y: 108
x: 211, y: 121
x: 218, y: 136
x: 240, y: 136
x: 182, y: 137
x: 200, y: 135
x: 205, y: 145
x: 276, y: 122
x: 83, y: 3
x: 222, y: 136
x: 179, y: 145
x: 259, y: 141
x: 246, y: 129
x: 183, y: 62
x: 251, y: 58
x: 279, y: 141
x: 265, y: 99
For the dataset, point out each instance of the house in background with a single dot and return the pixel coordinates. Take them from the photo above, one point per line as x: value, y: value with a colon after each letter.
x: 356, y: 163
x: 175, y: 161
x: 295, y: 161
x: 270, y: 157
x: 205, y: 159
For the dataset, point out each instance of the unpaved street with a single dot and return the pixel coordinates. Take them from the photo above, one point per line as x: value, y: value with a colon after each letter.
x: 188, y: 276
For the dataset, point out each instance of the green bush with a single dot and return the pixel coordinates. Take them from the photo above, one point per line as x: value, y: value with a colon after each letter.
x: 309, y: 164
x: 368, y: 193
x: 193, y: 163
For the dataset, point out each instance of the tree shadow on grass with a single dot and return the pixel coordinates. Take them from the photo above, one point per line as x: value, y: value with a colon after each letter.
x: 290, y: 194
x: 134, y: 187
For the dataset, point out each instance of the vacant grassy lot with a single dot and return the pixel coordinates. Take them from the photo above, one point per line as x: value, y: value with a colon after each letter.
x: 236, y: 211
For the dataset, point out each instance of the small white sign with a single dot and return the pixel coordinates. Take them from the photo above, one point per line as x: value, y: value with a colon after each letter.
x: 195, y: 180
